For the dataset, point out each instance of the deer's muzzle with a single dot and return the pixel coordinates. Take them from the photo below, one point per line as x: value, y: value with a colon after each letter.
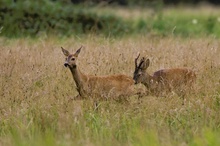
x: 135, y: 82
x: 66, y: 64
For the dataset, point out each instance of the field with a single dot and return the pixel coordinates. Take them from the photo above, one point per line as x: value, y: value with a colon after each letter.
x: 37, y: 90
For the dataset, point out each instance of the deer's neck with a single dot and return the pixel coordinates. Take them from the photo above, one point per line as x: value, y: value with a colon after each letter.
x: 79, y: 78
x: 149, y: 79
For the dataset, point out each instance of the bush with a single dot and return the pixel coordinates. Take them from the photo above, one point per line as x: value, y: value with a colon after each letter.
x: 31, y: 18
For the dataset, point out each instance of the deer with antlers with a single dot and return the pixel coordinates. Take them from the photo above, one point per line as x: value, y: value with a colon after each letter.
x: 90, y: 86
x: 177, y: 80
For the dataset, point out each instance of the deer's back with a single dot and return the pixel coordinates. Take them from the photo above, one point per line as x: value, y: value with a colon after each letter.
x: 110, y: 86
x: 175, y: 76
x: 113, y: 81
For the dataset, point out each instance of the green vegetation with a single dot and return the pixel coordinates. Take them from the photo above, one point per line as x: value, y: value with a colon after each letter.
x: 29, y: 18
x: 36, y: 91
x: 32, y: 18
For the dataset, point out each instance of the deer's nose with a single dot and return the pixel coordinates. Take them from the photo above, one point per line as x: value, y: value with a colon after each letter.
x: 135, y: 82
x: 66, y: 64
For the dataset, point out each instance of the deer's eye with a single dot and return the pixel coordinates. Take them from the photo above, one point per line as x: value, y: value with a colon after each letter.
x: 138, y: 75
x: 73, y: 59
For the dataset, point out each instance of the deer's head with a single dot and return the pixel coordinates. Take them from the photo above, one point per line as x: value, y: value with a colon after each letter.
x: 140, y: 74
x: 70, y: 58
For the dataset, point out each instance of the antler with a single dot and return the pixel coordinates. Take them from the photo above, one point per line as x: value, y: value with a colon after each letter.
x: 81, y: 47
x: 141, y: 62
x: 136, y: 59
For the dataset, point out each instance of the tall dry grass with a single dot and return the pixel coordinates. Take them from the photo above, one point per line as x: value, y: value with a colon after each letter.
x: 36, y: 93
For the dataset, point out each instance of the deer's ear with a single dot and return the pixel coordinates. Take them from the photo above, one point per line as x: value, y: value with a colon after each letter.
x: 146, y: 64
x: 65, y: 52
x: 78, y: 51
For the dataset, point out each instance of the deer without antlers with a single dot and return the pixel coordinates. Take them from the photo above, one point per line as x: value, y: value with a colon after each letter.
x: 178, y: 80
x: 105, y: 87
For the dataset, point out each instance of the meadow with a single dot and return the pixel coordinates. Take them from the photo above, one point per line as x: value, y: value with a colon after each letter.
x: 36, y: 90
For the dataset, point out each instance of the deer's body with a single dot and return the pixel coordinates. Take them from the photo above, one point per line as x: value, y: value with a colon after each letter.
x: 101, y: 86
x: 105, y: 87
x: 162, y: 81
x: 175, y: 79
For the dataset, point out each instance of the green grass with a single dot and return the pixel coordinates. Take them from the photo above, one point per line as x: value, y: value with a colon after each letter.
x: 34, y: 19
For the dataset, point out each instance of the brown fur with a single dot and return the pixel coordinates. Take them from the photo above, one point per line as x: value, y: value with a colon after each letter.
x: 162, y: 81
x: 176, y: 79
x: 90, y: 86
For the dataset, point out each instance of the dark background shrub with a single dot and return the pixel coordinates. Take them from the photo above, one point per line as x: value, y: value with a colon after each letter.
x: 68, y: 17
